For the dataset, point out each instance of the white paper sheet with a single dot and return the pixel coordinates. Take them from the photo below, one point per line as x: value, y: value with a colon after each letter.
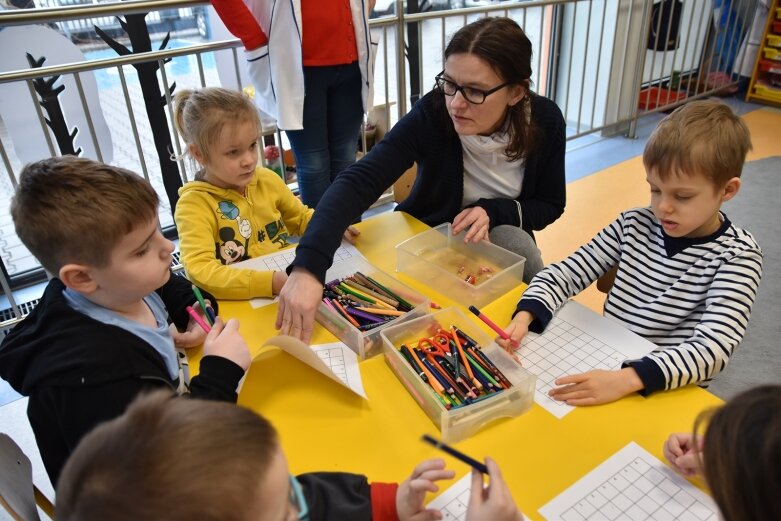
x: 576, y: 340
x: 631, y: 485
x: 453, y: 502
x: 337, y: 361
x: 280, y: 260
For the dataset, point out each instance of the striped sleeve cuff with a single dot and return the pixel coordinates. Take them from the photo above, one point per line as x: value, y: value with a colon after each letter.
x: 650, y: 374
x: 541, y: 314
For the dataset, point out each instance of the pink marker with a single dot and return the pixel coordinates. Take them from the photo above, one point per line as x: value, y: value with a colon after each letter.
x: 499, y: 330
x: 198, y: 319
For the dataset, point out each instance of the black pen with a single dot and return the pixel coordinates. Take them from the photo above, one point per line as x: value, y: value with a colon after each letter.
x: 456, y: 454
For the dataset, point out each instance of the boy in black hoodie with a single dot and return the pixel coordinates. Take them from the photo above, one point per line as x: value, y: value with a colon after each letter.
x: 100, y: 334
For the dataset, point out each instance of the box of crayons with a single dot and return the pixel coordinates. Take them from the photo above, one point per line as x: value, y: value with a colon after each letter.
x: 359, y: 300
x: 474, y: 273
x: 459, y: 376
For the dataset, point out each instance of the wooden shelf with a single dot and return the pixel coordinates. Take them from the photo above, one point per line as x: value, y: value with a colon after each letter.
x: 765, y: 85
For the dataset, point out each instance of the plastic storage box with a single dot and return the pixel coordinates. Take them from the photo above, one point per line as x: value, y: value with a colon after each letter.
x: 435, y: 257
x: 460, y: 422
x: 367, y: 343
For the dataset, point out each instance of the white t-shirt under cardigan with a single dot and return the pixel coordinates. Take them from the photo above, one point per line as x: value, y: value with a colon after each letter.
x: 691, y: 297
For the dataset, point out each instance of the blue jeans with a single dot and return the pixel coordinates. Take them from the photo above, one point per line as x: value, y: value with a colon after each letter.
x: 333, y: 112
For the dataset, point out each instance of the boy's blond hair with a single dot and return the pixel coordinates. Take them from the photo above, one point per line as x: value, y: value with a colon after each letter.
x: 701, y: 137
x: 201, y: 114
x: 169, y: 458
x: 73, y: 210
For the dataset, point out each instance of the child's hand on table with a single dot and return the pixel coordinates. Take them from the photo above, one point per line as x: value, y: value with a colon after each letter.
x: 596, y: 387
x: 224, y: 340
x: 683, y: 450
x: 194, y: 335
x: 412, y: 491
x: 278, y: 281
x: 494, y: 502
x: 351, y: 234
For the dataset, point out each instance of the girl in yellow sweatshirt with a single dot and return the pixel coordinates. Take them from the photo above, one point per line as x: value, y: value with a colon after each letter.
x: 234, y: 210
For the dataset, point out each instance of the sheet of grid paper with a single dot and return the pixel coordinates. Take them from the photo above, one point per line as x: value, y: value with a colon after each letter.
x: 631, y: 485
x: 454, y: 501
x: 280, y: 260
x: 576, y: 340
x: 335, y: 360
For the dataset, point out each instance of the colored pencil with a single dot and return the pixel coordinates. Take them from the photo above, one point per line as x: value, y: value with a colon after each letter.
x: 198, y: 319
x: 456, y: 454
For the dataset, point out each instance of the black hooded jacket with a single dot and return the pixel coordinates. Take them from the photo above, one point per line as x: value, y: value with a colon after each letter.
x: 79, y: 372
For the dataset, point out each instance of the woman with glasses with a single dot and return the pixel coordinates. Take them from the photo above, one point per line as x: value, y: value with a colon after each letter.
x: 489, y: 154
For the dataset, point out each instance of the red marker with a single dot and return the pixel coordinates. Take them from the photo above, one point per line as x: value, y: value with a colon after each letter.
x: 499, y: 330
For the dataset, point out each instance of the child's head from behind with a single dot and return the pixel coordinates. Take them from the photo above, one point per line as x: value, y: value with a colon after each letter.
x: 221, y: 128
x: 693, y: 161
x: 742, y: 454
x: 178, y: 459
x: 81, y: 218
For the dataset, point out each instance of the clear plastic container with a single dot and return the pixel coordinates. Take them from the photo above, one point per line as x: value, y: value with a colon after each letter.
x: 367, y: 343
x: 435, y: 258
x: 460, y: 422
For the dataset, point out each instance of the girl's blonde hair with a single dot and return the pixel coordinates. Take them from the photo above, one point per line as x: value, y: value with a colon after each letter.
x: 200, y: 115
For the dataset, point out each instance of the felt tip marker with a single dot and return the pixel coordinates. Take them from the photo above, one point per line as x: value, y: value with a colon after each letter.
x: 198, y: 319
x: 492, y: 325
x: 455, y: 453
x: 202, y: 302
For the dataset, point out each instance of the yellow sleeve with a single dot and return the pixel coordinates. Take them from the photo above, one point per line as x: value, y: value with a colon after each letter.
x: 295, y: 214
x: 198, y: 240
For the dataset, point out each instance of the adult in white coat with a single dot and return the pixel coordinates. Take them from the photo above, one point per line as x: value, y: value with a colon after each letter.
x: 311, y: 64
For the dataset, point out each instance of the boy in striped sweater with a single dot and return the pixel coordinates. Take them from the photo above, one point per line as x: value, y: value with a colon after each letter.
x: 686, y: 277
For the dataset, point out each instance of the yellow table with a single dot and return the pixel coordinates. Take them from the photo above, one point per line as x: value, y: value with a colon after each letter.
x: 326, y: 427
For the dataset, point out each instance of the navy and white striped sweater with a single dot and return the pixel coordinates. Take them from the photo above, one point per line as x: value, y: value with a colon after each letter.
x: 690, y: 297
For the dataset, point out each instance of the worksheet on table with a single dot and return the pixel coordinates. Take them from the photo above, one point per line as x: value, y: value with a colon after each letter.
x: 631, y: 485
x: 335, y: 360
x: 576, y: 340
x: 454, y: 501
x: 280, y: 260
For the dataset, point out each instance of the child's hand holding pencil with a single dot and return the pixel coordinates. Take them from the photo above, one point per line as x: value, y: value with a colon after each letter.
x: 195, y: 333
x: 509, y: 339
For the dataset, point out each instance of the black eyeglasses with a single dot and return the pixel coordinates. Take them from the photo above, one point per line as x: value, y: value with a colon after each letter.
x: 472, y: 95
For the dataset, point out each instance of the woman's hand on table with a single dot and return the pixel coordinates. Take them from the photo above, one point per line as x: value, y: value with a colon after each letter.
x: 298, y: 302
x: 494, y: 502
x: 412, y: 491
x: 476, y: 219
x: 683, y: 450
x: 225, y: 340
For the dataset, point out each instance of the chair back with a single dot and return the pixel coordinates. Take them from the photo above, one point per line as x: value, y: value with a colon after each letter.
x: 18, y: 494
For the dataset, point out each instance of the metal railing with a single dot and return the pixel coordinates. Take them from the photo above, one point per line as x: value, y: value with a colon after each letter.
x: 591, y: 57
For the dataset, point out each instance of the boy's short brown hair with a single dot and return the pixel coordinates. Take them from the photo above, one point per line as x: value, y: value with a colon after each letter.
x: 169, y: 458
x: 704, y: 137
x: 68, y: 209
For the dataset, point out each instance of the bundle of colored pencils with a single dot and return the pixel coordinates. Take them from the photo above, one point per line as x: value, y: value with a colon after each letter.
x: 455, y: 367
x: 364, y: 302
